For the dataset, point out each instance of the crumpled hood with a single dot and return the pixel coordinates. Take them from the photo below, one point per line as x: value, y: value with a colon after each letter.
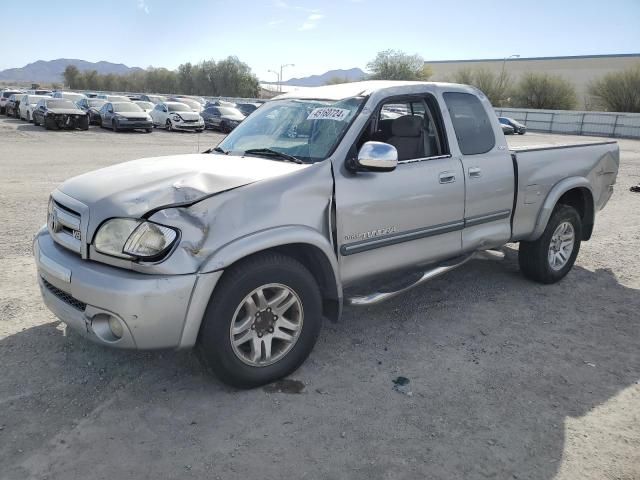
x: 132, y: 189
x: 66, y: 111
x: 187, y: 115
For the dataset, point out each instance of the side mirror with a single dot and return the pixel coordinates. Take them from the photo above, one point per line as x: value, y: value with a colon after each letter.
x: 377, y: 157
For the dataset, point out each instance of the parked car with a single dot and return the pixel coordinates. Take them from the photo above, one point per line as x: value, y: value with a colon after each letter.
x: 146, y: 106
x: 73, y: 96
x: 92, y: 106
x: 56, y: 113
x: 46, y: 93
x: 155, y: 99
x: 113, y: 98
x: 125, y: 116
x: 224, y: 119
x: 90, y: 94
x: 193, y: 104
x: 27, y: 104
x: 518, y: 127
x: 176, y: 116
x: 507, y: 129
x: 219, y: 103
x: 247, y: 108
x: 4, y: 97
x: 244, y: 255
x: 12, y: 107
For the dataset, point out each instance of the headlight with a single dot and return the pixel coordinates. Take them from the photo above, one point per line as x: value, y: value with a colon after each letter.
x: 176, y: 118
x: 129, y: 238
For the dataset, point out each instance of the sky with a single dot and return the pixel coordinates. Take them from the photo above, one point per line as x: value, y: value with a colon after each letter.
x: 314, y: 35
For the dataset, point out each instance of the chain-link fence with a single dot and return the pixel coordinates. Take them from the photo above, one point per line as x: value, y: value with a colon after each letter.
x: 600, y: 124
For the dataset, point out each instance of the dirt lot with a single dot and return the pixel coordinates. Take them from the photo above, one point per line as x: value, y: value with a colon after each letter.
x: 508, y: 379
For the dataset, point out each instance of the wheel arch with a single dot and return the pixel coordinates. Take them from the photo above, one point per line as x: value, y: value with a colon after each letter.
x: 575, y: 192
x: 304, y: 244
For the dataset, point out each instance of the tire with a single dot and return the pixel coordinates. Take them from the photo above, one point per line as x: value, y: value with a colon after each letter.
x: 50, y: 124
x: 168, y: 126
x: 149, y: 130
x: 114, y: 126
x: 535, y: 258
x: 277, y: 274
x: 35, y: 121
x: 84, y: 123
x: 29, y: 119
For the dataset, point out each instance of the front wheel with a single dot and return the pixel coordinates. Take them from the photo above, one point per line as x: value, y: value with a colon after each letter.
x: 35, y: 121
x: 114, y: 126
x: 549, y: 258
x: 261, y: 322
x: 169, y: 125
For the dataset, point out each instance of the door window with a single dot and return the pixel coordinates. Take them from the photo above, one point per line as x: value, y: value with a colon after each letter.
x: 471, y: 123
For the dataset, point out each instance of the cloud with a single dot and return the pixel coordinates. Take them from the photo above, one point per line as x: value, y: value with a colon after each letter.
x: 142, y: 5
x: 273, y: 23
x: 281, y: 4
x: 312, y: 21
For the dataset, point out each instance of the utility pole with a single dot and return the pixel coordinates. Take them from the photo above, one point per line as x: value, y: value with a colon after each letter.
x: 277, y: 77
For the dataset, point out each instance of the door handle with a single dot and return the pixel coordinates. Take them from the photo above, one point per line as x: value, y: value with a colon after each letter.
x: 475, y: 172
x: 447, y: 177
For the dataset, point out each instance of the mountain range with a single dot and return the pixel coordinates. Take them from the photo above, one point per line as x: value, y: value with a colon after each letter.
x: 50, y: 71
x: 352, y: 74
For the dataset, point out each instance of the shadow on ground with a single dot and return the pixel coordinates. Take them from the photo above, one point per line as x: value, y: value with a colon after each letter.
x: 496, y: 364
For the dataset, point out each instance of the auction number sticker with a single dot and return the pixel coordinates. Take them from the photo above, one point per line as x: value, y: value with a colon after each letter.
x: 328, y: 113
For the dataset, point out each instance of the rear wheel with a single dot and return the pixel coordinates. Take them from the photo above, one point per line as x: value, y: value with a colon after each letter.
x: 169, y: 125
x: 261, y: 322
x: 549, y: 258
x: 29, y: 117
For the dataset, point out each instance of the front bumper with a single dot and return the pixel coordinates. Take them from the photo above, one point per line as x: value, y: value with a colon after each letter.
x: 155, y: 311
x: 188, y: 126
x: 135, y: 124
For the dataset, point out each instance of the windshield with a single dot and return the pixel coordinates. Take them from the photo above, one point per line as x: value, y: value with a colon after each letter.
x: 60, y: 104
x: 126, y: 107
x: 230, y: 111
x: 8, y: 94
x: 73, y: 96
x: 35, y: 98
x: 97, y: 103
x: 191, y: 103
x: 178, y: 107
x: 156, y: 98
x: 117, y: 98
x: 306, y: 129
x: 145, y: 105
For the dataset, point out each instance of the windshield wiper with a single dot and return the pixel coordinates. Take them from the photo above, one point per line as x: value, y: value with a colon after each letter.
x: 273, y: 153
x: 216, y: 149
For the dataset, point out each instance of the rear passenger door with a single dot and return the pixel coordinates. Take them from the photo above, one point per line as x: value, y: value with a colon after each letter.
x: 488, y: 170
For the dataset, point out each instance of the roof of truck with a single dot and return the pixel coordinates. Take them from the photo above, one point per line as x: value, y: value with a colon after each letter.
x: 354, y: 89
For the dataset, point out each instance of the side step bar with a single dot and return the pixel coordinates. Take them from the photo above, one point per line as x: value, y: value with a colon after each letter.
x: 438, y: 270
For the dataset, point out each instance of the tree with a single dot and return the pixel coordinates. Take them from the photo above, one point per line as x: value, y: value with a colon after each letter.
x: 544, y: 91
x: 494, y: 86
x: 397, y: 65
x: 618, y: 91
x: 71, y: 76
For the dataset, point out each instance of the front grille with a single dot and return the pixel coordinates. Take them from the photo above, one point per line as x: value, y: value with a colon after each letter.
x: 64, y: 226
x: 65, y: 297
x: 190, y: 121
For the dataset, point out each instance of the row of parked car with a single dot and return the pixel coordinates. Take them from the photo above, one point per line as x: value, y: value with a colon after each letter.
x: 73, y: 110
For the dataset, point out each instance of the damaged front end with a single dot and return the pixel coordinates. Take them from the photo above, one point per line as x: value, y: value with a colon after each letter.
x: 67, y: 121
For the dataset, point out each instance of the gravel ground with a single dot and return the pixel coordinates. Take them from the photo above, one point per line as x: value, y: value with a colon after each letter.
x: 508, y: 379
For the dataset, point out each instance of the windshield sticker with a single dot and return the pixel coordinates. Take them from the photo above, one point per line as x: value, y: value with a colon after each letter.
x: 328, y: 113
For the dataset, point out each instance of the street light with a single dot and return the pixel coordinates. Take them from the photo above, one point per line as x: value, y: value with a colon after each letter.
x: 277, y: 76
x: 281, y: 67
x: 502, y: 73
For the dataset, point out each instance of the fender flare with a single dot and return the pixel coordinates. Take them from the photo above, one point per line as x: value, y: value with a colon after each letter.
x: 271, y: 238
x: 551, y: 201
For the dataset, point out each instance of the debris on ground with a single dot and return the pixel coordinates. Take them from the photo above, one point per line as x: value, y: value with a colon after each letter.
x: 285, y: 386
x: 401, y: 385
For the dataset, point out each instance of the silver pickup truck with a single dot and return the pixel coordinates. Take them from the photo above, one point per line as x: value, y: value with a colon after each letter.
x: 243, y: 250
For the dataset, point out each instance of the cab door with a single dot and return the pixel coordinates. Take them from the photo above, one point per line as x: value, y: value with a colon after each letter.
x: 407, y: 217
x: 488, y: 171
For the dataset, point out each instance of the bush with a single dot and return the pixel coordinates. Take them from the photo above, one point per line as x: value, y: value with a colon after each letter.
x: 494, y: 86
x: 397, y: 65
x: 544, y: 91
x: 618, y: 91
